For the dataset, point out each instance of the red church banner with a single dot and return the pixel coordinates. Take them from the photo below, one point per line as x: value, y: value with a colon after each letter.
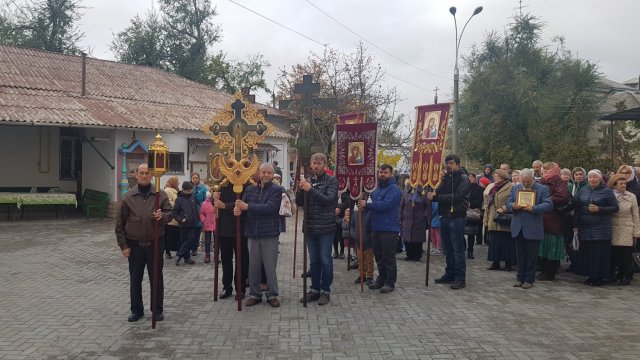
x: 428, y: 144
x: 352, y: 118
x: 356, y: 158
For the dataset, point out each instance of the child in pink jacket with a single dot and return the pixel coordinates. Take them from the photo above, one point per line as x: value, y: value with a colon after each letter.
x: 208, y: 220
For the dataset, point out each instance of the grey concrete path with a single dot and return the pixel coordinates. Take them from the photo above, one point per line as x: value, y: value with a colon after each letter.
x: 64, y: 294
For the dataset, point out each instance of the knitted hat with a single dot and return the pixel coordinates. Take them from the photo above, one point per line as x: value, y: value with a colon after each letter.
x: 484, y: 181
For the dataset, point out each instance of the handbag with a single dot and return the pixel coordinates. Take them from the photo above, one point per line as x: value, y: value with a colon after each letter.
x: 502, y: 218
x: 636, y: 254
x: 285, y: 206
x: 473, y: 214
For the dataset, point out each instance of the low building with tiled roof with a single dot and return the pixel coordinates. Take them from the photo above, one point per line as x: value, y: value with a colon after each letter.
x: 65, y: 119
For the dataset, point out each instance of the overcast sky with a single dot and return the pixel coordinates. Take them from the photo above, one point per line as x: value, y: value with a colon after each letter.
x: 420, y: 32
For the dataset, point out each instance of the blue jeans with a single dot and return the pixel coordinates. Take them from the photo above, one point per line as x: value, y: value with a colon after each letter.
x: 453, y: 244
x: 187, y: 237
x: 319, y: 246
x: 527, y: 254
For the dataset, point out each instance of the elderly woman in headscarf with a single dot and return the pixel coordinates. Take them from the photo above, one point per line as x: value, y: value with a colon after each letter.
x: 595, y: 204
x: 552, y: 246
x: 632, y: 181
x: 413, y: 219
x: 626, y: 227
x: 501, y: 244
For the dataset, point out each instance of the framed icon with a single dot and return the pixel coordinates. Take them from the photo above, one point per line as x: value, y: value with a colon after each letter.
x: 526, y: 197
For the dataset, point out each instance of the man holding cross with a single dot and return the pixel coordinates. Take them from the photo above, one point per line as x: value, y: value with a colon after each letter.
x: 262, y: 228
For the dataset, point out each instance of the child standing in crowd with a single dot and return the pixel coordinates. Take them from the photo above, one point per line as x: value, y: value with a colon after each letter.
x: 434, y: 229
x: 208, y: 220
x: 352, y: 218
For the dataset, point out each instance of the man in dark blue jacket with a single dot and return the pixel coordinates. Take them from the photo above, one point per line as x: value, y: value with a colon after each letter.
x: 320, y: 225
x: 385, y: 224
x: 262, y: 228
x: 452, y: 196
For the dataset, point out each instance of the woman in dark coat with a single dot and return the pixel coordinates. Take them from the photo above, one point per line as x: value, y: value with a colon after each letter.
x: 473, y: 227
x: 552, y: 246
x: 413, y: 219
x: 594, y: 206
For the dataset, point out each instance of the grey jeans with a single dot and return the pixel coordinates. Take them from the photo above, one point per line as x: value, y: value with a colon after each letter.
x: 263, y: 251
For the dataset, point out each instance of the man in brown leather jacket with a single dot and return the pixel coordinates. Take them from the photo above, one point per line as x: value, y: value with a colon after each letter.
x: 134, y: 232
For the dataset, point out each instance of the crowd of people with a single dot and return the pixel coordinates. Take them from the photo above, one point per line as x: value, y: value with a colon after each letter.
x: 531, y: 219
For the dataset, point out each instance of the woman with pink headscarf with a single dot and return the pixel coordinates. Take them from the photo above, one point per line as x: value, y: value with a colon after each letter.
x: 552, y: 246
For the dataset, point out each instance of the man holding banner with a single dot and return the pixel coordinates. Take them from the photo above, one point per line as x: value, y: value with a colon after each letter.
x: 453, y: 198
x: 385, y: 223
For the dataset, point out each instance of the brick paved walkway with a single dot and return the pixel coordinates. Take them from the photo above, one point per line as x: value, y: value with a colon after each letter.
x: 64, y: 294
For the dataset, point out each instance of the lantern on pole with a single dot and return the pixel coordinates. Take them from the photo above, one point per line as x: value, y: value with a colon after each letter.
x: 158, y: 165
x: 158, y: 159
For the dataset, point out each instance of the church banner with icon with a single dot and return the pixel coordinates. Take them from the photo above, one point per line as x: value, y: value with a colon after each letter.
x: 428, y: 144
x: 352, y: 118
x: 356, y: 157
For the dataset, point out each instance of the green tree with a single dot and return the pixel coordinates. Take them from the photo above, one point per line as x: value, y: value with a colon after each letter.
x: 142, y: 42
x: 46, y: 24
x: 523, y: 100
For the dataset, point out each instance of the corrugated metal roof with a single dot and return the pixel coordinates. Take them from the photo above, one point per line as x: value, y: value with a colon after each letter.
x: 41, y: 87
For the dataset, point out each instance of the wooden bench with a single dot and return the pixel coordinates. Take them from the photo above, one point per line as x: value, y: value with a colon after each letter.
x: 94, y: 199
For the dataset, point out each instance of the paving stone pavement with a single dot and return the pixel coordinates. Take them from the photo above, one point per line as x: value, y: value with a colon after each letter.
x: 64, y: 295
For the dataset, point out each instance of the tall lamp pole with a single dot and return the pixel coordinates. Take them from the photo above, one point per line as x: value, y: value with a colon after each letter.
x: 456, y: 76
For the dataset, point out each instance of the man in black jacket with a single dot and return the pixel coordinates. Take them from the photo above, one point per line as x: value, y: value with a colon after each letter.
x: 453, y: 196
x: 320, y: 224
x: 225, y: 200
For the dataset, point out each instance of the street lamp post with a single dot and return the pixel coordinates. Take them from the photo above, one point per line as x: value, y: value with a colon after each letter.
x: 456, y: 77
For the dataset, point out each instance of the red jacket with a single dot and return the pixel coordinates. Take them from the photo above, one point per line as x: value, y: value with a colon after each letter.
x: 208, y: 216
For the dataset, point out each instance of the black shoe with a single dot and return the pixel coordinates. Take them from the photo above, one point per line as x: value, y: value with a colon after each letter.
x: 224, y: 294
x: 494, y: 266
x: 368, y: 281
x: 444, y: 280
x: 408, y: 258
x: 587, y: 282
x: 134, y: 317
x: 189, y: 261
x: 341, y: 256
x: 306, y: 274
x: 335, y: 255
x: 624, y: 282
x: 375, y: 286
x: 508, y: 267
x: 240, y: 296
x: 159, y: 317
x: 458, y: 285
x: 311, y: 297
x: 168, y: 256
x: 178, y: 258
x: 470, y: 255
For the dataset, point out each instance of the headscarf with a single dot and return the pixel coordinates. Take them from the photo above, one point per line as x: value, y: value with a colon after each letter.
x: 497, y: 186
x: 633, y: 172
x: 554, y: 171
x: 415, y: 195
x: 596, y: 172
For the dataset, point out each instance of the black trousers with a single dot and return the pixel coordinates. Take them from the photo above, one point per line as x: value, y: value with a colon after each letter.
x: 139, y: 258
x: 597, y: 255
x: 621, y: 260
x: 384, y: 250
x: 227, y: 251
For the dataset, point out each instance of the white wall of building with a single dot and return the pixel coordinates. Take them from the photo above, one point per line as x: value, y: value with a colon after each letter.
x: 30, y: 156
x: 96, y: 173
